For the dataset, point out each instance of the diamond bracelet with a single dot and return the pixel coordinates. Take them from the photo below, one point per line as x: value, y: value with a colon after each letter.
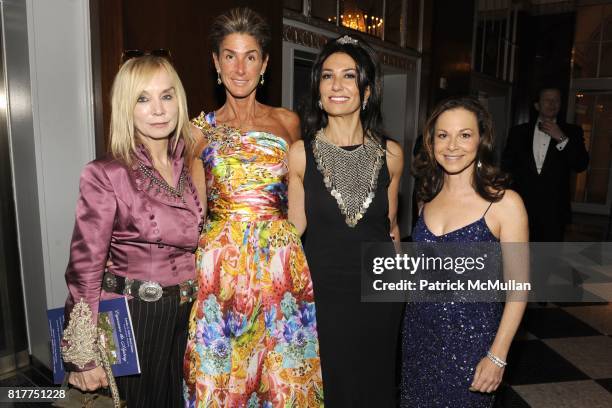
x: 496, y: 360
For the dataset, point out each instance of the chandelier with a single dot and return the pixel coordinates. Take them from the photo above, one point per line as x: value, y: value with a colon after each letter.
x: 365, y: 23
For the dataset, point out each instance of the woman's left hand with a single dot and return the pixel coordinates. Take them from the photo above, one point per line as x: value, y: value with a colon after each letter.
x: 487, y: 376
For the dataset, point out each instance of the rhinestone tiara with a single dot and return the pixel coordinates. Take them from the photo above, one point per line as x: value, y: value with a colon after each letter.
x: 347, y: 40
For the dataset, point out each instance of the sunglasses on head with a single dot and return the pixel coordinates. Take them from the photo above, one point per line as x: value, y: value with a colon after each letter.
x: 160, y: 52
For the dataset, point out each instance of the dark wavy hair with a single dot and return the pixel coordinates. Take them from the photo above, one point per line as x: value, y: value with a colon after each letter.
x: 240, y: 20
x: 489, y: 181
x: 368, y: 76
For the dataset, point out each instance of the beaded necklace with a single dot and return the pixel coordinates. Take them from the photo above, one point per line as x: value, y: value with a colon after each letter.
x: 161, y: 185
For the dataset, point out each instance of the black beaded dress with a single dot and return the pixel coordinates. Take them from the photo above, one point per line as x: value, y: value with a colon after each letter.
x: 358, y: 342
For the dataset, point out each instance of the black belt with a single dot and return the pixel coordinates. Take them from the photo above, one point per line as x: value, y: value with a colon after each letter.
x: 149, y: 291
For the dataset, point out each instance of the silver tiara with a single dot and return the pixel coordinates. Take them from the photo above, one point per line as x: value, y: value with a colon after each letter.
x: 347, y: 40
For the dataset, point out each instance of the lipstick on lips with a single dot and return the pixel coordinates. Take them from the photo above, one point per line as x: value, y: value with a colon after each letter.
x: 338, y: 99
x: 240, y: 82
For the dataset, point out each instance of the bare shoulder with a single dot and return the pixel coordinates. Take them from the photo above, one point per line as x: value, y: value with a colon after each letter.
x: 297, y: 150
x: 394, y: 148
x: 285, y: 115
x: 395, y: 156
x: 297, y: 158
x: 511, y: 218
x: 510, y: 208
x: 511, y: 200
x: 289, y: 120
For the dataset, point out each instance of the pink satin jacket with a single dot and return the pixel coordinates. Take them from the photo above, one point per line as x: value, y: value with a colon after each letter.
x: 123, y: 216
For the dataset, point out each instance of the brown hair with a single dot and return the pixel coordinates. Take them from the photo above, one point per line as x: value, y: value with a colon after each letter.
x: 488, y: 181
x: 241, y: 20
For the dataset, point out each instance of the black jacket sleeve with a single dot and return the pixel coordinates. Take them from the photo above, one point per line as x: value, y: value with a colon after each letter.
x: 577, y: 156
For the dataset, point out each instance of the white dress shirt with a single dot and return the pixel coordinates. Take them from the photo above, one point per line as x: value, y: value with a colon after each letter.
x: 541, y: 141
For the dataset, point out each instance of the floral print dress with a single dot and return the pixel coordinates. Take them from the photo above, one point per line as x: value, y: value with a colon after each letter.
x: 252, y: 331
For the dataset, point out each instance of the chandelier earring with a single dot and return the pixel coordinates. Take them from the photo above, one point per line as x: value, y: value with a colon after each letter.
x: 219, y: 81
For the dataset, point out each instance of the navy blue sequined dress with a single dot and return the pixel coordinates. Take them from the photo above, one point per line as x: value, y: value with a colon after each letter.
x: 443, y: 342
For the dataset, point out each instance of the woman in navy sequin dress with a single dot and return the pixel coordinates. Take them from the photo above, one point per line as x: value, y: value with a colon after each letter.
x: 463, y: 199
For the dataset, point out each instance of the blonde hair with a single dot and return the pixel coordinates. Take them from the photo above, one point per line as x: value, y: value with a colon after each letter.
x: 132, y: 78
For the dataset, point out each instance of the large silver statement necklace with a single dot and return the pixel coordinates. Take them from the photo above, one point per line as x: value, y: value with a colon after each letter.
x: 350, y: 176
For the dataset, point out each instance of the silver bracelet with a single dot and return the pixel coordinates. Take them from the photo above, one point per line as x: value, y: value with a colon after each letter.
x: 496, y: 360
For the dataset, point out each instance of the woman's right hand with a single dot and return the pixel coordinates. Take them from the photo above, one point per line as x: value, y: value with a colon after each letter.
x: 89, y: 380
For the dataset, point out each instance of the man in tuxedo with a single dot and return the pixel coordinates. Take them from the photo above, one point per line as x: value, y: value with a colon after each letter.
x: 540, y: 157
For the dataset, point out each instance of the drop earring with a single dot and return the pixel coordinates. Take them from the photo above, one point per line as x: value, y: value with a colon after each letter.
x: 364, y: 104
x: 479, y: 164
x: 320, y: 105
x: 219, y: 81
x: 261, y: 81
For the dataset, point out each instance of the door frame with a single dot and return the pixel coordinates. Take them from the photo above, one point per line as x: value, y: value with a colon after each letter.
x: 600, y: 85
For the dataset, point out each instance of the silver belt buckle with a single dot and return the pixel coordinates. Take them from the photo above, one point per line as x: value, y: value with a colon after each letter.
x: 150, y: 291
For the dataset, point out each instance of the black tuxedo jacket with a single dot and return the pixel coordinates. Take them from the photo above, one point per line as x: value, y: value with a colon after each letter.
x: 546, y: 195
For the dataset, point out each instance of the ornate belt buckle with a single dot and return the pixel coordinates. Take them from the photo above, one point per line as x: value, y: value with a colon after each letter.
x: 150, y: 291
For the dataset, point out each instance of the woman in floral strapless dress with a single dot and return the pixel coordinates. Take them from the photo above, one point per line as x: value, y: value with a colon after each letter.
x: 252, y: 330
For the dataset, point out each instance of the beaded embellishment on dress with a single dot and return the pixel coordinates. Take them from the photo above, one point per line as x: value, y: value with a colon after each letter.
x: 159, y: 184
x: 350, y: 176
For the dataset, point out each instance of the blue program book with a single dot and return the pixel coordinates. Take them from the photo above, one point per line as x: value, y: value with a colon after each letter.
x: 118, y: 335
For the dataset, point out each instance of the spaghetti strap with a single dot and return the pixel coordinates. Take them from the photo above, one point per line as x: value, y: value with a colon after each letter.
x: 487, y: 210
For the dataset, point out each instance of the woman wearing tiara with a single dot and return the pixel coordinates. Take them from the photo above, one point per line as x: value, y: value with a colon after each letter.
x: 343, y: 187
x: 252, y: 332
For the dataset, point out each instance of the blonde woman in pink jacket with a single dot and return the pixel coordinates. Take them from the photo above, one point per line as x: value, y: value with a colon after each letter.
x: 138, y: 208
